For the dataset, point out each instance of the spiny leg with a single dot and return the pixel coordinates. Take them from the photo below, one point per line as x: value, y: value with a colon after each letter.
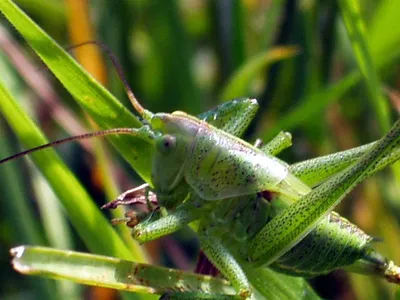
x: 226, y: 263
x: 148, y: 231
x: 144, y: 229
x: 316, y: 170
x: 292, y: 224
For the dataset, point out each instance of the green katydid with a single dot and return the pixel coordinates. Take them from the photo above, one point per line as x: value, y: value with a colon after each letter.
x: 345, y: 239
x: 205, y: 163
x: 347, y: 244
x: 186, y: 213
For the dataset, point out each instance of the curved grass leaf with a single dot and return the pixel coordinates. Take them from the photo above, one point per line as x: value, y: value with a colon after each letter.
x: 238, y: 84
x: 105, y: 110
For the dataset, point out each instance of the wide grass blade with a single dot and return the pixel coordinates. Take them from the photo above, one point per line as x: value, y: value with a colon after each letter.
x: 111, y: 272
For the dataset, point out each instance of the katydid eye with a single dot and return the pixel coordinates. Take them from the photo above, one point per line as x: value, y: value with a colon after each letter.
x: 167, y: 142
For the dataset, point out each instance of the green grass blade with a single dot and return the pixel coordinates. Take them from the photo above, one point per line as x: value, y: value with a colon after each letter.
x: 110, y: 188
x: 238, y: 84
x: 105, y: 110
x: 53, y: 217
x: 91, y: 225
x: 20, y: 213
x: 56, y: 228
x: 172, y: 49
x: 384, y: 32
x: 50, y: 12
x: 112, y: 272
x: 357, y: 33
x: 236, y: 28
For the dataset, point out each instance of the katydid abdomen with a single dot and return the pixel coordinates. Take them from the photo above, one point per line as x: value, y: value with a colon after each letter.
x: 334, y: 243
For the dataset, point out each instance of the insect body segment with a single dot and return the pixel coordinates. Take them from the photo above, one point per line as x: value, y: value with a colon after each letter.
x: 224, y: 167
x: 334, y: 243
x: 216, y: 164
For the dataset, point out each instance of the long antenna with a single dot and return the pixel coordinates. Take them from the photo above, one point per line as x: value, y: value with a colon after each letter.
x: 144, y: 113
x: 73, y: 138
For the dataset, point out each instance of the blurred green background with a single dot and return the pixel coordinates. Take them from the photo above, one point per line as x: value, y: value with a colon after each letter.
x: 324, y: 71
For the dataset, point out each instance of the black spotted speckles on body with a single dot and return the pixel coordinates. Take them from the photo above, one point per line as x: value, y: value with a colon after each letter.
x: 334, y: 243
x: 221, y: 166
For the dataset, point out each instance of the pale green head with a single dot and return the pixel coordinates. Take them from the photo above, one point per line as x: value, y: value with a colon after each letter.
x: 175, y: 134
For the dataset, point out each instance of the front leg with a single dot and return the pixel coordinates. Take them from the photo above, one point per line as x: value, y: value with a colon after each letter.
x: 182, y: 216
x: 145, y: 229
x: 140, y: 194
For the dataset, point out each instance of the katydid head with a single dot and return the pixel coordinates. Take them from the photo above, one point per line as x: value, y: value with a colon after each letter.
x: 174, y: 136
